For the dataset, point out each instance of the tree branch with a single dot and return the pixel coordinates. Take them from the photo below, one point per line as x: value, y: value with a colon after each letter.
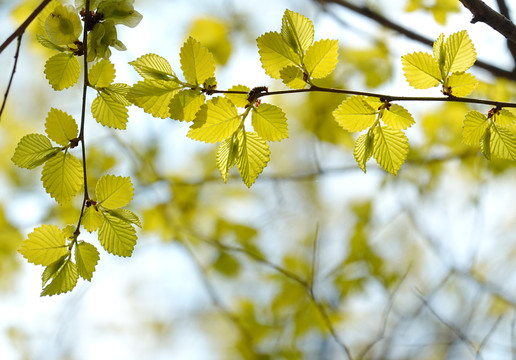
x: 504, y: 10
x: 16, y: 55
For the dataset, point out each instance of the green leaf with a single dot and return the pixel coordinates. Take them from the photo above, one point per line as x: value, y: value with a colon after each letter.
x: 461, y: 84
x: 64, y: 280
x: 275, y: 54
x: 253, y: 156
x: 109, y: 112
x: 152, y: 66
x: 86, y: 257
x: 297, y: 31
x: 321, y: 58
x: 117, y: 237
x: 475, y: 126
x: 240, y: 100
x: 439, y: 52
x: 126, y: 216
x: 421, y: 70
x: 503, y: 143
x: 217, y: 120
x: 153, y: 96
x: 118, y: 93
x: 120, y: 12
x: 51, y: 270
x: 397, y: 117
x: 504, y: 118
x: 61, y: 127
x: 101, y: 74
x: 363, y: 150
x: 49, y: 44
x: 91, y: 219
x: 45, y: 245
x: 197, y: 62
x: 62, y: 71
x: 62, y: 177
x: 63, y: 26
x: 227, y: 154
x: 459, y: 53
x: 390, y: 148
x: 33, y: 150
x: 293, y: 77
x: 114, y: 192
x: 485, y: 143
x: 355, y: 114
x: 270, y: 122
x: 185, y: 104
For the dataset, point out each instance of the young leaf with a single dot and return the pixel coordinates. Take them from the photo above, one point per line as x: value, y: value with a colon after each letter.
x: 108, y: 112
x: 421, y: 70
x: 185, y: 104
x: 63, y: 26
x: 475, y: 126
x: 33, y: 150
x: 153, y: 96
x: 60, y: 127
x: 101, y: 74
x: 461, y: 84
x: 253, y: 156
x: 126, y: 216
x: 293, y: 77
x: 503, y: 143
x: 459, y: 53
x: 64, y: 280
x: 355, y: 114
x: 321, y: 58
x: 397, y: 117
x: 439, y: 52
x: 390, y: 148
x: 62, y: 177
x: 240, y: 100
x: 504, y: 118
x: 114, y: 192
x: 45, y: 245
x: 117, y: 237
x: 118, y: 93
x: 363, y: 150
x: 275, y: 54
x: 86, y: 257
x: 152, y: 66
x: 270, y: 122
x: 49, y: 44
x: 62, y: 71
x: 51, y: 270
x: 485, y: 143
x: 217, y: 120
x: 227, y: 154
x: 91, y: 219
x: 297, y: 31
x: 197, y: 62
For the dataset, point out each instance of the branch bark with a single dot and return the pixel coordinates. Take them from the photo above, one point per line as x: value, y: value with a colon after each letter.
x: 504, y: 10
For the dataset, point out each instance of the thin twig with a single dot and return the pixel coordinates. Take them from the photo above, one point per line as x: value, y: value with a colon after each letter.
x: 504, y: 10
x: 488, y: 335
x: 16, y: 55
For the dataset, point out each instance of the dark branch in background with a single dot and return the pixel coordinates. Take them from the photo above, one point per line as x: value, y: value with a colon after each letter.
x: 504, y: 10
x: 12, y: 75
x: 382, y: 20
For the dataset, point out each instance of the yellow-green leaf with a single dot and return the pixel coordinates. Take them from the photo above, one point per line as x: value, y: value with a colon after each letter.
x: 153, y: 96
x: 297, y: 31
x: 109, y: 112
x: 49, y: 44
x: 101, y: 74
x: 197, y: 62
x: 485, y: 143
x: 240, y: 100
x: 114, y: 192
x: 275, y: 54
x: 293, y: 77
x: 390, y: 148
x: 45, y: 245
x: 475, y: 126
x: 60, y: 127
x: 321, y: 58
x: 185, y: 104
x: 91, y: 219
x: 503, y: 143
x: 62, y: 71
x: 504, y: 118
x: 63, y: 26
x: 118, y: 93
x: 421, y: 70
x: 459, y: 52
x: 126, y: 216
x: 117, y: 237
x: 64, y: 280
x: 152, y: 66
x: 270, y: 122
x: 363, y: 150
x: 217, y: 120
x: 253, y: 156
x: 355, y: 114
x: 62, y: 177
x: 461, y: 84
x: 227, y: 154
x: 397, y: 117
x: 51, y: 270
x: 86, y: 257
x: 33, y: 150
x: 439, y: 54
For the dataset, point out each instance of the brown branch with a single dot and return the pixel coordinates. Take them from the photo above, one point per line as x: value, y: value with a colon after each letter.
x: 504, y: 10
x: 17, y: 53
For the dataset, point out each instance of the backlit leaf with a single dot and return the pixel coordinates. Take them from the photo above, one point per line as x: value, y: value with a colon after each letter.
x: 108, y: 112
x: 64, y: 280
x: 62, y: 71
x: 51, y: 270
x: 321, y: 58
x: 62, y: 177
x: 240, y: 100
x: 154, y: 96
x: 390, y: 148
x: 86, y: 257
x: 459, y: 52
x: 293, y: 77
x: 475, y: 125
x: 253, y: 156
x: 117, y: 237
x: 152, y: 66
x: 217, y: 120
x: 126, y: 216
x: 197, y: 62
x: 297, y: 31
x: 33, y: 150
x: 63, y: 26
x: 214, y: 34
x: 503, y: 143
x: 185, y: 104
x: 355, y: 114
x: 118, y: 93
x: 101, y: 74
x: 363, y: 150
x: 504, y: 118
x: 114, y: 192
x: 397, y: 117
x: 45, y: 245
x: 439, y: 52
x: 485, y: 143
x: 61, y: 127
x: 275, y: 54
x: 461, y: 84
x: 91, y: 219
x: 49, y: 44
x: 270, y: 122
x: 227, y: 154
x: 421, y: 70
